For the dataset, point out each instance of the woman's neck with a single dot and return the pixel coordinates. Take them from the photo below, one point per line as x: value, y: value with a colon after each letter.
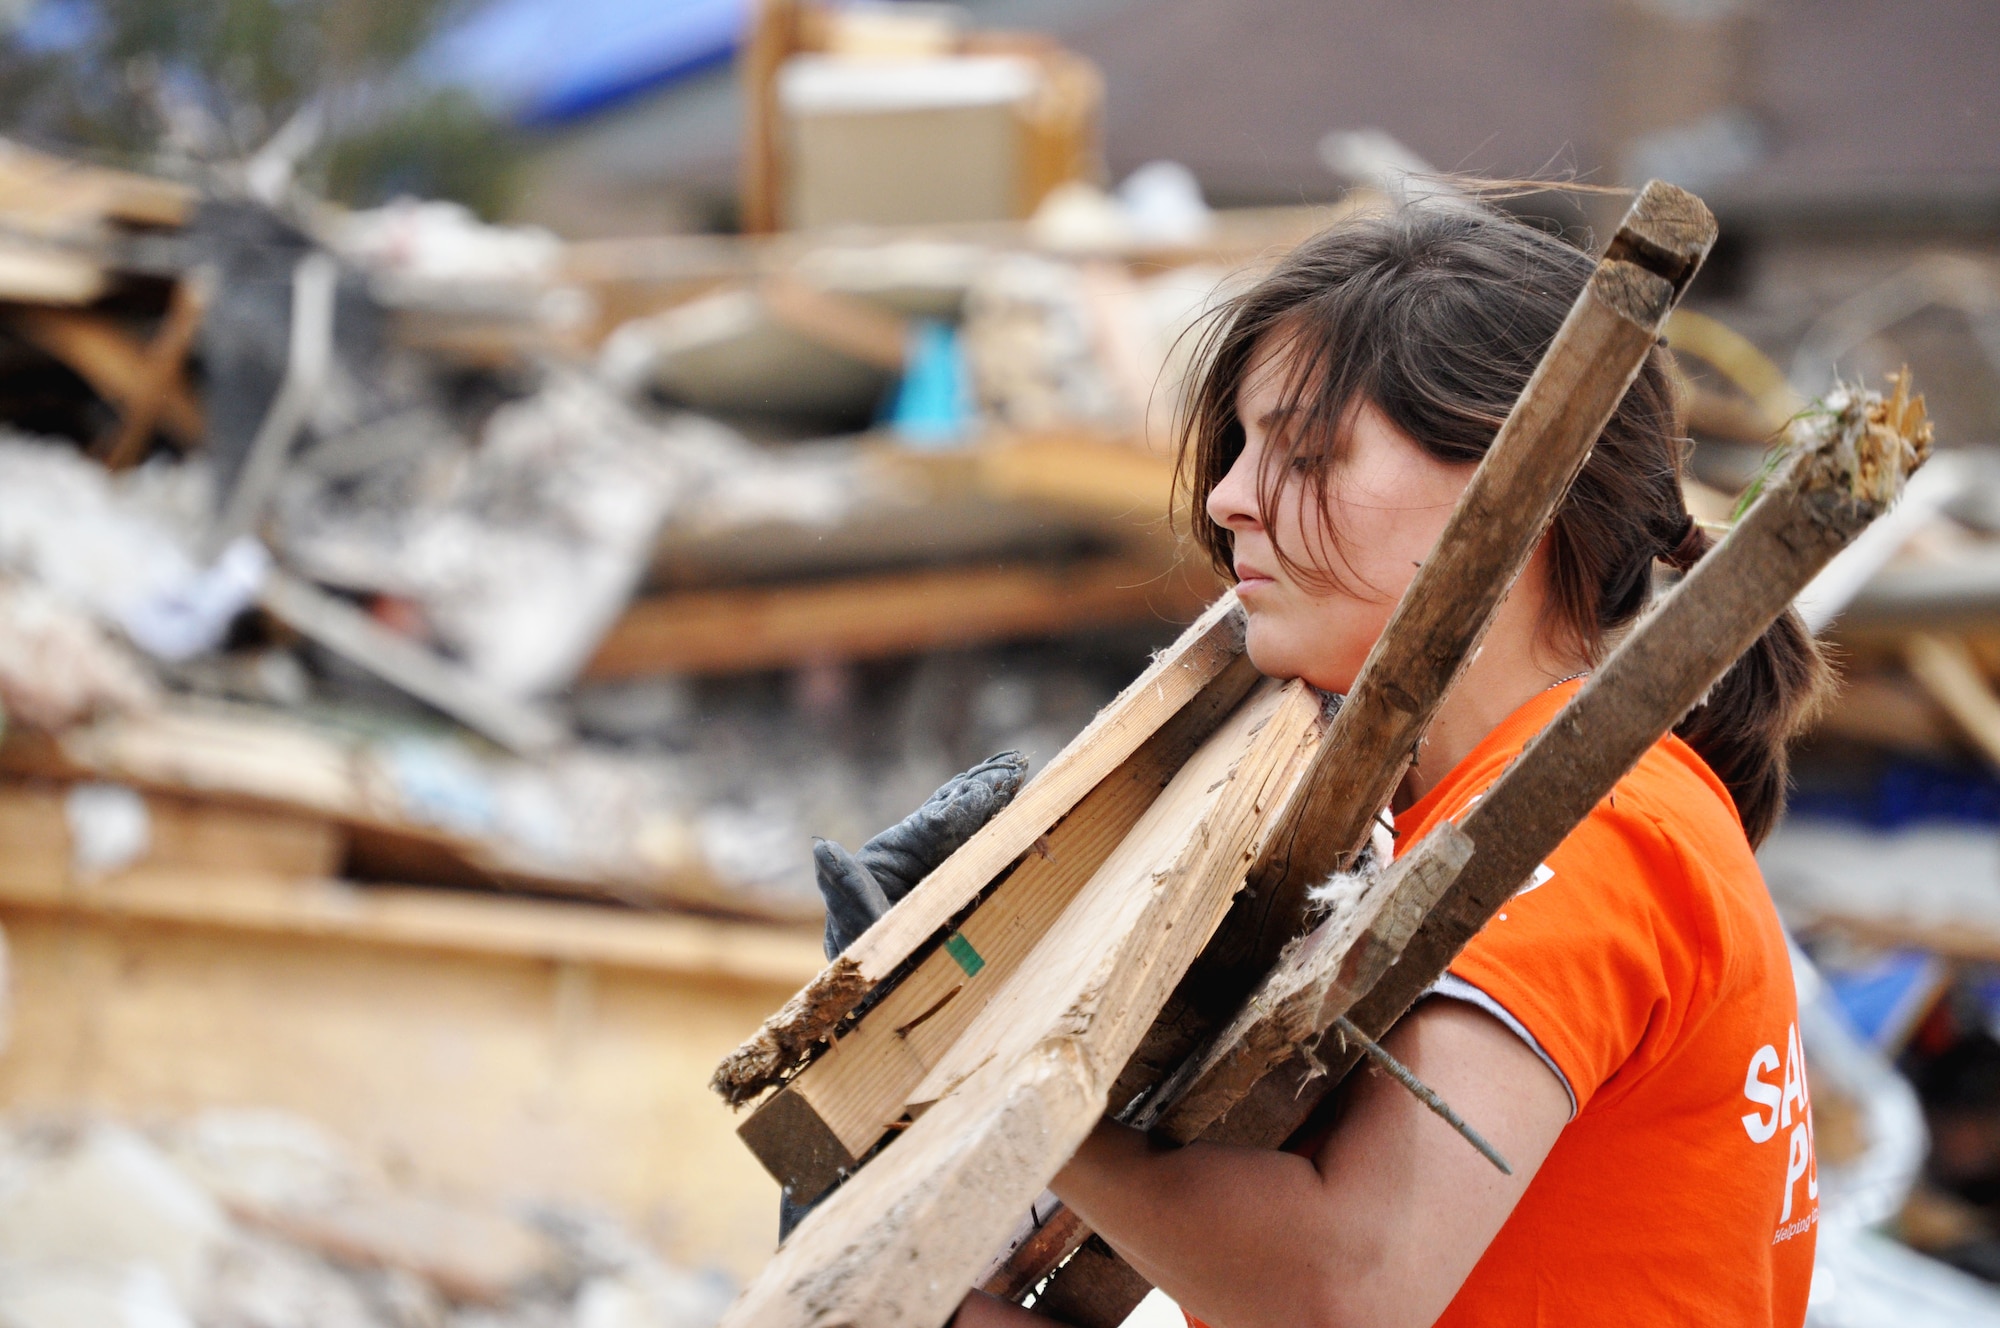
x: 1508, y: 672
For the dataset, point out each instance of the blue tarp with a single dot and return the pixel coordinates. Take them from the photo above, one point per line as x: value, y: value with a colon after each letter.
x: 547, y: 61
x: 1886, y: 996
x: 1905, y: 792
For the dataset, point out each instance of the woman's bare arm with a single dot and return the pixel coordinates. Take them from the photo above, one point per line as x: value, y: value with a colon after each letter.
x: 1379, y: 1228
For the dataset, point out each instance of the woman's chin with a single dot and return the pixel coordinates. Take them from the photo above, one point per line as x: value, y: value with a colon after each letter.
x: 1272, y: 654
x: 1278, y: 655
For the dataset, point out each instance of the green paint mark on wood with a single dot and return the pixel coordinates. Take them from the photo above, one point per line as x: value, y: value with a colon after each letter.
x: 961, y: 949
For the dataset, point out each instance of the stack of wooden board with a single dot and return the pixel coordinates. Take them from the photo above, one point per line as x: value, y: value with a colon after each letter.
x: 338, y: 800
x: 73, y: 236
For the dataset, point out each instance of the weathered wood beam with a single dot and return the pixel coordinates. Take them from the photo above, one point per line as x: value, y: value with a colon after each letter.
x: 869, y: 617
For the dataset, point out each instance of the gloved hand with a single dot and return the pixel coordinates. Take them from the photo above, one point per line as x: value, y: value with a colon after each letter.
x: 860, y: 887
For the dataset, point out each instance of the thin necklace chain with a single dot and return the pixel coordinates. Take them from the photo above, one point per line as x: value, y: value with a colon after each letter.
x: 1581, y: 673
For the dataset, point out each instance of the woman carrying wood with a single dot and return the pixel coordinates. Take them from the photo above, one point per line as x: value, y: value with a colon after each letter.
x: 1625, y: 1029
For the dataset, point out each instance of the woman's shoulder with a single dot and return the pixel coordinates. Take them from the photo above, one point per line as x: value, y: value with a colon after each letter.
x: 1670, y: 798
x: 1669, y: 861
x: 1669, y: 825
x: 1673, y: 796
x: 1646, y: 915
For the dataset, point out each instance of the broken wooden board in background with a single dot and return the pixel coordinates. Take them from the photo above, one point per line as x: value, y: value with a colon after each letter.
x: 221, y: 758
x: 885, y: 615
x: 780, y: 348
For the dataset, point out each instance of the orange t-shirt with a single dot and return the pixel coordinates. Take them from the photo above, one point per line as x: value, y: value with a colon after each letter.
x: 1648, y: 963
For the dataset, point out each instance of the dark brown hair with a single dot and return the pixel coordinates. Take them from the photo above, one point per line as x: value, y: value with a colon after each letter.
x: 1437, y: 315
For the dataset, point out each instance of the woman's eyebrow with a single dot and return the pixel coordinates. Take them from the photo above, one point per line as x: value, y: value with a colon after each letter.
x: 1275, y: 415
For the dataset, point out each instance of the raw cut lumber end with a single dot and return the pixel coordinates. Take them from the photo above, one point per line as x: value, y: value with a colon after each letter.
x: 1860, y: 446
x: 1633, y: 293
x: 1667, y: 231
x: 805, y: 1020
x: 797, y: 1147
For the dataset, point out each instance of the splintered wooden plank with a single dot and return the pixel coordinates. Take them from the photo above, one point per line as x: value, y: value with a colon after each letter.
x: 838, y: 1107
x: 891, y: 613
x: 186, y: 833
x: 900, y: 1242
x: 1018, y: 1015
x: 797, y: 1032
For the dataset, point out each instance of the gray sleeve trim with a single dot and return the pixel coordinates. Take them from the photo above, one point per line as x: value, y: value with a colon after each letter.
x: 1455, y: 988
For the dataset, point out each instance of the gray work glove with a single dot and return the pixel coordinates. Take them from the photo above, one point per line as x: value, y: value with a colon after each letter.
x: 860, y: 887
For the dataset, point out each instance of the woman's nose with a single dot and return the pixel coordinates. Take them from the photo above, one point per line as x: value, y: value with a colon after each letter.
x: 1233, y: 502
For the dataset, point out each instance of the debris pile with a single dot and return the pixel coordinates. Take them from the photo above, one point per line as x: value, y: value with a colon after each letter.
x: 257, y: 1219
x: 512, y: 544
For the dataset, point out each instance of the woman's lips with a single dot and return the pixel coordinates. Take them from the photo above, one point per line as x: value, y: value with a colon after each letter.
x: 1249, y: 578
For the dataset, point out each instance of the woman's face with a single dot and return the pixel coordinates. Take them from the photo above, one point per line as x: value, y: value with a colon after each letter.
x: 1386, y: 500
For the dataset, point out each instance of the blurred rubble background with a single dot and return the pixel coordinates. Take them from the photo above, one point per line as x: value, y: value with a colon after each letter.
x: 483, y: 481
